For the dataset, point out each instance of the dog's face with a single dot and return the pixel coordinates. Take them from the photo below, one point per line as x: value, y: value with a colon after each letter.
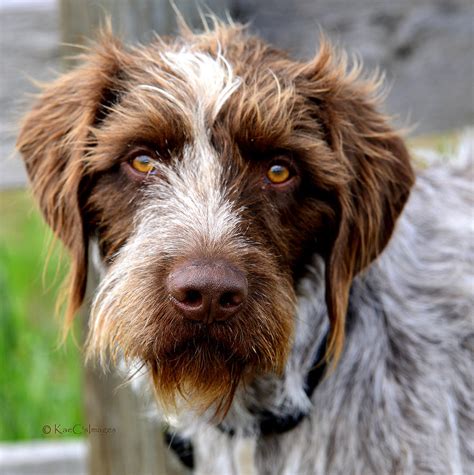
x: 209, y: 170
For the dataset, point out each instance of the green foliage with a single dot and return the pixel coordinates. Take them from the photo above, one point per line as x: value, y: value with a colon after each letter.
x: 40, y: 381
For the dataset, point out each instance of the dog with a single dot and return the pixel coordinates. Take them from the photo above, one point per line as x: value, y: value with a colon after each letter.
x: 298, y: 298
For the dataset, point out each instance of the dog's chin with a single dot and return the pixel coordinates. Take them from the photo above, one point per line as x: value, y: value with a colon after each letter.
x: 200, y: 367
x: 204, y: 372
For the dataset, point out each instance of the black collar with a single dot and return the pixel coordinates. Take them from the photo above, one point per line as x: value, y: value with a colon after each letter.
x: 269, y: 422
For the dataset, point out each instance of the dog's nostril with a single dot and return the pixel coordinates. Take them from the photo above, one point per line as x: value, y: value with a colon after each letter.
x: 231, y: 299
x: 193, y: 298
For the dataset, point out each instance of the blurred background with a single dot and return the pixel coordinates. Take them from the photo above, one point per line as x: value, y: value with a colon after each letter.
x: 424, y: 46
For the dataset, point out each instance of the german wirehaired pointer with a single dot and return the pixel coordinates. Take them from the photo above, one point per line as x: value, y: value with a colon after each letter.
x: 300, y: 302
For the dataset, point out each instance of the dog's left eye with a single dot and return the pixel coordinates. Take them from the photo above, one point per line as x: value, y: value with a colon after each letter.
x: 143, y: 164
x: 278, y: 173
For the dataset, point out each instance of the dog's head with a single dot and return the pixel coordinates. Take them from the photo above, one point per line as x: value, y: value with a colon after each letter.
x: 209, y: 169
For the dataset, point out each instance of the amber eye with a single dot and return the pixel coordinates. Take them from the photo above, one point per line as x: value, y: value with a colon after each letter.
x: 278, y: 174
x: 143, y: 164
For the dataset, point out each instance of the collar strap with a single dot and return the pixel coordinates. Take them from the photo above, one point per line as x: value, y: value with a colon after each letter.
x: 181, y: 446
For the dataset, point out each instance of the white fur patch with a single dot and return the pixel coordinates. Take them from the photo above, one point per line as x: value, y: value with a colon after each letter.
x: 206, y: 83
x: 211, y: 79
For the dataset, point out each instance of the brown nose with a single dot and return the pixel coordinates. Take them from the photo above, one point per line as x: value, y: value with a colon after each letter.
x: 207, y: 291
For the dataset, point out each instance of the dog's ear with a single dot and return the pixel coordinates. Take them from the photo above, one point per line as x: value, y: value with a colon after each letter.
x: 53, y: 141
x: 374, y: 181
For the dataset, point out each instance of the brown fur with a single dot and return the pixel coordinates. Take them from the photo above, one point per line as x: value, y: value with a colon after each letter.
x: 353, y: 179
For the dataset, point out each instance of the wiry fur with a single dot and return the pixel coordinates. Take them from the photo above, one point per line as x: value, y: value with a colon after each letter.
x: 214, y: 111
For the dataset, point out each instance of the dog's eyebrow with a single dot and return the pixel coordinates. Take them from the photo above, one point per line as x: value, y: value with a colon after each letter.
x: 207, y: 81
x: 171, y: 98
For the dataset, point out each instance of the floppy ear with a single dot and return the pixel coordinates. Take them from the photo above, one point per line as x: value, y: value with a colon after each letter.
x: 53, y: 140
x: 376, y: 181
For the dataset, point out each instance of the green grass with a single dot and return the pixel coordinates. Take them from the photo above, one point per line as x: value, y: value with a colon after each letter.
x: 440, y: 143
x: 444, y: 145
x: 40, y: 382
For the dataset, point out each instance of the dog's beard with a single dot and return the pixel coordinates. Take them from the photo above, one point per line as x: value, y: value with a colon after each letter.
x: 203, y: 374
x: 204, y: 365
x: 193, y: 363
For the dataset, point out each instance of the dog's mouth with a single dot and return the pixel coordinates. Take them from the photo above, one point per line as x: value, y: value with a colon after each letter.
x: 224, y: 339
x: 203, y: 370
x: 202, y: 341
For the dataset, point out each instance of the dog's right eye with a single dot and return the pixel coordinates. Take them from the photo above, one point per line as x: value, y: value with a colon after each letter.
x: 143, y: 164
x: 278, y: 174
